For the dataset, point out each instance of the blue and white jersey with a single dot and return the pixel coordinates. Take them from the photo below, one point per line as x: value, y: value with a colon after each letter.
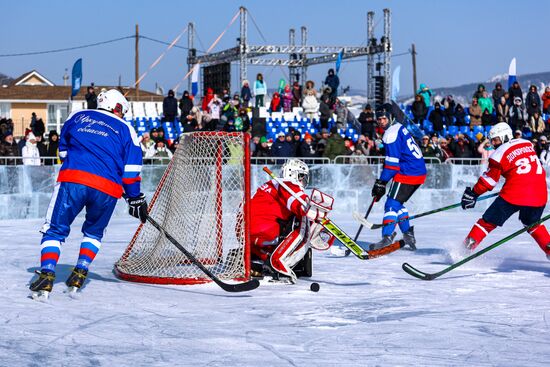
x: 101, y: 151
x: 404, y: 161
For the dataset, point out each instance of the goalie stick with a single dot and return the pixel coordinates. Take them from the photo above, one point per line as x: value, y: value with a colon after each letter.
x: 333, y: 229
x: 363, y: 221
x: 238, y: 287
x: 430, y: 276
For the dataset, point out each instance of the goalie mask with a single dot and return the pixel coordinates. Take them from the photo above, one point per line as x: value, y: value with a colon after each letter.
x: 295, y: 170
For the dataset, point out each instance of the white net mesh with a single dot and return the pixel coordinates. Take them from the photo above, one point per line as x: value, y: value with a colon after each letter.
x: 200, y: 202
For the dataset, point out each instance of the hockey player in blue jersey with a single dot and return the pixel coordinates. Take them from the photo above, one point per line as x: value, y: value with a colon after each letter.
x: 101, y: 160
x: 404, y: 164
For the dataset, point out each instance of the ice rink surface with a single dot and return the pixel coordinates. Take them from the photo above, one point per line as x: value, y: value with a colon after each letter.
x: 493, y: 311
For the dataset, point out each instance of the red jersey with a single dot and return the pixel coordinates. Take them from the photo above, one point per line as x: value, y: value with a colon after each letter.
x: 525, y: 183
x: 272, y: 204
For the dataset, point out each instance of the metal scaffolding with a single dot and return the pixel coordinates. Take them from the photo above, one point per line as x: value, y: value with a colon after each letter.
x: 298, y: 60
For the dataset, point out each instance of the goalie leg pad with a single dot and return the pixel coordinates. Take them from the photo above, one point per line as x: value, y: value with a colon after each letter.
x: 290, y: 251
x: 320, y: 204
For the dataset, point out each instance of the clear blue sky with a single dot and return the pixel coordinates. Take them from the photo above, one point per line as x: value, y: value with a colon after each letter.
x: 457, y: 41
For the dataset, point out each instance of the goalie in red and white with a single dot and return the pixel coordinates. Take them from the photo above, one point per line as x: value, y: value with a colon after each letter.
x: 282, y: 231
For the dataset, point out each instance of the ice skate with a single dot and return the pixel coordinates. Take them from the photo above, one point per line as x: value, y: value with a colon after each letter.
x: 75, y: 281
x: 42, y: 286
x: 470, y: 243
x: 385, y: 241
x: 410, y: 241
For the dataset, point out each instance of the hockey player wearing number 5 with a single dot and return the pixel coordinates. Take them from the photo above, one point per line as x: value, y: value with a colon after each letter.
x: 404, y: 164
x: 101, y: 159
x: 525, y: 188
x: 282, y: 231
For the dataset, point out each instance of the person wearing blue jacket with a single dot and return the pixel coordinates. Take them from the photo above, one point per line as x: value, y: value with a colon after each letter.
x: 102, y: 160
x: 405, y: 166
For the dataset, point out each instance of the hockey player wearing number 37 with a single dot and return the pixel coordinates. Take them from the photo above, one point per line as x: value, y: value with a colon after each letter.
x: 101, y: 160
x: 404, y: 164
x: 282, y: 230
x: 524, y: 190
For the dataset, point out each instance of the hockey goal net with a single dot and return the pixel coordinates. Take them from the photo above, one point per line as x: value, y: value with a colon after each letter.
x: 201, y: 201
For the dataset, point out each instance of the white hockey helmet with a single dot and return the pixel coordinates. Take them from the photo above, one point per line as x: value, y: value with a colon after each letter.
x: 501, y: 130
x: 295, y: 170
x: 112, y: 100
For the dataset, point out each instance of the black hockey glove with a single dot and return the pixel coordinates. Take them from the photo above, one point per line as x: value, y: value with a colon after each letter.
x: 379, y: 189
x: 469, y: 199
x: 138, y: 207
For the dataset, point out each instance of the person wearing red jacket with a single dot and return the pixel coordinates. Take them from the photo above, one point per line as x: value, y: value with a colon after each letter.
x: 524, y: 190
x: 206, y: 99
x: 546, y: 100
x: 281, y: 229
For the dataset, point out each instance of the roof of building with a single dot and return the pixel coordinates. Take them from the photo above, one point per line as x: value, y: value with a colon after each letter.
x: 18, y: 90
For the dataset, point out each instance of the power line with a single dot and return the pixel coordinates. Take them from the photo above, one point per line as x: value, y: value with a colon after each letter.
x: 168, y: 43
x: 66, y: 49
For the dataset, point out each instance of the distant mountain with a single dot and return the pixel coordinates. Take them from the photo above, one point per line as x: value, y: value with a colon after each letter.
x: 463, y: 93
x: 5, y: 80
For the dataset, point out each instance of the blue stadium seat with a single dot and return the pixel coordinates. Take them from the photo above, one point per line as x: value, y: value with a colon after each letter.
x: 487, y: 129
x: 478, y: 129
x: 464, y: 129
x: 428, y: 127
x: 452, y: 130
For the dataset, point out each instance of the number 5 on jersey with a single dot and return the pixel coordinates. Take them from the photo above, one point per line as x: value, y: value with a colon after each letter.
x: 415, y: 150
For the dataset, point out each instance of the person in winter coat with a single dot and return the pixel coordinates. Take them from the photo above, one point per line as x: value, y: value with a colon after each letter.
x: 336, y: 145
x: 185, y: 105
x: 487, y: 119
x: 419, y: 109
x: 460, y: 116
x: 30, y: 153
x: 426, y: 93
x: 536, y: 125
x: 479, y: 92
x: 37, y: 125
x: 170, y: 107
x: 262, y: 149
x: 445, y: 150
x: 326, y: 112
x: 52, y: 149
x: 437, y: 117
x: 542, y: 149
x: 518, y: 115
x: 9, y: 148
x: 310, y: 103
x: 242, y: 121
x: 503, y: 110
x: 207, y: 98
x: 260, y: 90
x: 296, y: 94
x: 367, y: 121
x: 91, y: 98
x: 276, y: 103
x: 497, y: 94
x: 463, y: 147
x: 532, y: 101
x: 475, y: 113
x: 333, y: 82
x: 484, y: 149
x: 514, y: 92
x: 287, y: 99
x: 307, y: 148
x: 426, y: 147
x: 215, y: 108
x: 546, y: 100
x: 450, y: 106
x: 161, y: 151
x: 282, y: 148
x: 341, y: 114
x: 246, y: 95
x: 486, y: 103
x: 42, y: 148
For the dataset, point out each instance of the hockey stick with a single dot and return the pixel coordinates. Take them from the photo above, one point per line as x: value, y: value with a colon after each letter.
x: 361, y: 225
x: 331, y: 227
x: 239, y: 287
x: 430, y: 276
x: 357, y: 216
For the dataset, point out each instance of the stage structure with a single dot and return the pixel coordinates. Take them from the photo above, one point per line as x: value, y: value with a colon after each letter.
x: 300, y: 57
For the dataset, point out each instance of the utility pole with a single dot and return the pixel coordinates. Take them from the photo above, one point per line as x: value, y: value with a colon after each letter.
x: 137, y: 62
x: 413, y: 54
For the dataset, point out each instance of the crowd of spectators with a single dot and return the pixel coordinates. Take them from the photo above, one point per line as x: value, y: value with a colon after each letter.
x: 527, y: 115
